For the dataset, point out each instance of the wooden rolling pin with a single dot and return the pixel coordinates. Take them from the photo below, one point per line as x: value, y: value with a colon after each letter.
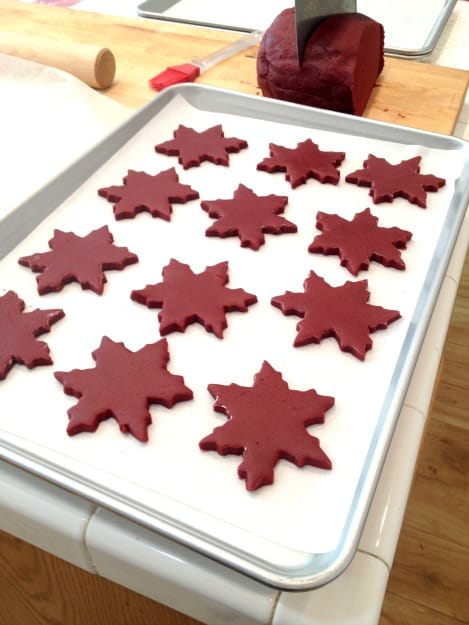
x: 93, y: 65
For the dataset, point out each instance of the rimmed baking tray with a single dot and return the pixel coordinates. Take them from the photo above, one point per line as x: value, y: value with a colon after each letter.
x: 302, y: 531
x: 411, y: 30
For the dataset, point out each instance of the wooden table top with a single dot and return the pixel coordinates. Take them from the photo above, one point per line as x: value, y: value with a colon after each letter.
x: 408, y: 93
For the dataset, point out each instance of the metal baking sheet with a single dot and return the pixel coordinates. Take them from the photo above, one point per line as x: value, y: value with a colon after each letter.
x: 276, y: 534
x: 412, y: 29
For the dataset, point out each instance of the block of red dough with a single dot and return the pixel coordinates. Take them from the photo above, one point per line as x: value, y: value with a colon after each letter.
x: 341, y: 62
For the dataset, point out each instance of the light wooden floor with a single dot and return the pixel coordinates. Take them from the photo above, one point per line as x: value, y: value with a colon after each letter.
x: 429, y: 582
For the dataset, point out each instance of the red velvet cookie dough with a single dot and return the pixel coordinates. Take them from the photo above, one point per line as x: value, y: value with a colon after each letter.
x: 388, y: 181
x: 341, y: 62
x: 359, y: 241
x: 304, y: 161
x: 154, y: 194
x: 248, y: 216
x: 341, y: 312
x: 266, y: 422
x: 192, y: 147
x: 122, y: 385
x: 78, y: 259
x: 186, y: 297
x: 19, y: 332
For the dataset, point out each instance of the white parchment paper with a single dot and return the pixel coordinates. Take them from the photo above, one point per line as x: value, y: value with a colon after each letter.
x: 49, y: 118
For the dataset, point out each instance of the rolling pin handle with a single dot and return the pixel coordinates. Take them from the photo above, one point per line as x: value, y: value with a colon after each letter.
x: 93, y: 65
x: 104, y: 69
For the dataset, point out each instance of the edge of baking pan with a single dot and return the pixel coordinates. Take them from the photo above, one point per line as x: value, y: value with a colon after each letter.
x: 431, y: 40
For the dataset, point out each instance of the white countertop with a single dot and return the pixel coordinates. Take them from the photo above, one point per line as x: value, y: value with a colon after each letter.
x: 101, y: 542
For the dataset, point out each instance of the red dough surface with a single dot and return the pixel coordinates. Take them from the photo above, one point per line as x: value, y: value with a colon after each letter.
x: 122, y: 385
x: 387, y: 181
x: 78, y: 259
x: 19, y: 329
x: 144, y: 192
x: 303, y: 162
x: 359, y: 241
x: 267, y: 422
x: 186, y: 297
x: 341, y: 62
x: 342, y: 312
x: 193, y: 147
x: 248, y: 216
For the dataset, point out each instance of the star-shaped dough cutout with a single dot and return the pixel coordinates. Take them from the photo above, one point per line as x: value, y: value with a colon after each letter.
x: 19, y: 332
x: 360, y: 241
x: 186, y: 297
x: 248, y: 216
x: 78, y: 259
x: 192, y: 147
x: 267, y: 422
x: 304, y: 161
x: 144, y: 192
x: 341, y: 312
x: 388, y: 181
x: 122, y: 385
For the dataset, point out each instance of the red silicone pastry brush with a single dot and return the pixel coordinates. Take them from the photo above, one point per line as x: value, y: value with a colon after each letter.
x: 188, y: 72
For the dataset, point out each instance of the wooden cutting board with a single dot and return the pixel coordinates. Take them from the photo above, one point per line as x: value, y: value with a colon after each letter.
x: 409, y: 93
